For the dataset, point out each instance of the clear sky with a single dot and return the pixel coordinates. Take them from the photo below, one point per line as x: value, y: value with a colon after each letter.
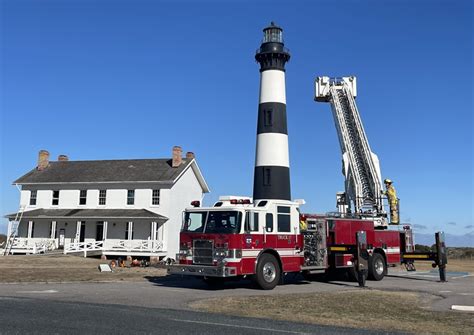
x: 130, y: 79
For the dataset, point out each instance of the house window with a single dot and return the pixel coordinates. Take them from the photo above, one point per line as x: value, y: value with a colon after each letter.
x: 284, y: 219
x: 82, y: 197
x: 130, y: 197
x: 102, y: 197
x: 155, y: 199
x: 55, y: 198
x: 33, y: 195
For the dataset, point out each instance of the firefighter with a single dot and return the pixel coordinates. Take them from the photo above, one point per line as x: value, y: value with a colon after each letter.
x: 392, y: 200
x: 303, y: 225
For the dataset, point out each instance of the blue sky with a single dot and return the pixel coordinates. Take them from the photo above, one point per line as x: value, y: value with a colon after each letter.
x: 130, y: 79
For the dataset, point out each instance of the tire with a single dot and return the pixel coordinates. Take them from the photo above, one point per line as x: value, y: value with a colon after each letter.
x: 268, y: 272
x: 377, y: 267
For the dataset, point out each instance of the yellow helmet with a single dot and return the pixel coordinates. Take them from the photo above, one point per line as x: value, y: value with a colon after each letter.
x: 387, y: 181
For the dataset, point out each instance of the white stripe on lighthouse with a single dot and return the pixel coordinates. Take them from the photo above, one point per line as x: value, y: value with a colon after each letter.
x: 272, y: 86
x: 272, y: 150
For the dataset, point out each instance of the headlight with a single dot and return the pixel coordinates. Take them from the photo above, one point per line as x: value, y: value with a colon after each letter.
x: 220, y: 253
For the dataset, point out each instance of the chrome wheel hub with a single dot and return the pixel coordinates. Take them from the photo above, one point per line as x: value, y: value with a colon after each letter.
x: 269, y: 272
x: 379, y: 266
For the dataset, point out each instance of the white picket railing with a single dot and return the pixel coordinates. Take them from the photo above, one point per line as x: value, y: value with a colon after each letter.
x: 81, y: 246
x: 32, y: 245
x: 111, y: 245
x: 134, y: 245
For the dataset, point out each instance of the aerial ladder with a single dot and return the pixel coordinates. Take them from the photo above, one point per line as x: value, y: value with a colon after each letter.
x: 360, y: 166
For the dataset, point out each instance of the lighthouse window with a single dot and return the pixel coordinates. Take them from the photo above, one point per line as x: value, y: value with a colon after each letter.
x: 268, y: 118
x: 267, y: 177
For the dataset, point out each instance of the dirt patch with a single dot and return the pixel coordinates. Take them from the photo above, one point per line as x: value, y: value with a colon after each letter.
x: 62, y: 268
x: 364, y: 309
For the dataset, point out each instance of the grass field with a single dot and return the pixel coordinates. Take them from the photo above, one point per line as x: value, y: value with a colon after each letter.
x: 463, y: 265
x: 369, y: 309
x: 66, y: 269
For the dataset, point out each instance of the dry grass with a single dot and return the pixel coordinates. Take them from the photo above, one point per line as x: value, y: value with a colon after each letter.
x: 463, y: 265
x: 66, y: 269
x: 366, y: 309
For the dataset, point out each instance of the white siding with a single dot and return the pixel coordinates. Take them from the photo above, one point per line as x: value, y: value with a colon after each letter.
x: 173, y: 200
x: 186, y: 189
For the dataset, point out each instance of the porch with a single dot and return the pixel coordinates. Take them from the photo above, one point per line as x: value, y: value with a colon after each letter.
x: 115, y: 233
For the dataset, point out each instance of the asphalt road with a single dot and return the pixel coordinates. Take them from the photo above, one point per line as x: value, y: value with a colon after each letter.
x: 26, y: 315
x: 160, y: 305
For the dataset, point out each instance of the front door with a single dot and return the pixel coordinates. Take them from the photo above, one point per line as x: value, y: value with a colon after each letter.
x: 82, y: 234
x: 99, y: 231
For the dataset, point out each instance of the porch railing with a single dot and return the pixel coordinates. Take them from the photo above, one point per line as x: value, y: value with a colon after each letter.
x: 134, y: 245
x: 83, y: 246
x: 32, y: 246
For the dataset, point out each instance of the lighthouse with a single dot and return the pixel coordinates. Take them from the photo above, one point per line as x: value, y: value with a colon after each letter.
x: 272, y: 166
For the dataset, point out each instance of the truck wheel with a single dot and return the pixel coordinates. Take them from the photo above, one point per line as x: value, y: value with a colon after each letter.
x: 268, y: 272
x: 377, y: 267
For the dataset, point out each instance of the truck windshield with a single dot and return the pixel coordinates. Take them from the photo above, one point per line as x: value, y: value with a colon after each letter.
x: 214, y: 222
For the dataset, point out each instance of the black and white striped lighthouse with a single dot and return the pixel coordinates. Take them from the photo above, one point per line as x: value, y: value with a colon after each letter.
x: 272, y: 166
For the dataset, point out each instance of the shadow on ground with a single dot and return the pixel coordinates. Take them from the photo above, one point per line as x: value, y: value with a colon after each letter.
x: 196, y: 283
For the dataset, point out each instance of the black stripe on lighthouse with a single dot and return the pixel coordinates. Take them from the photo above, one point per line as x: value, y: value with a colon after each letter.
x: 272, y: 118
x: 271, y: 182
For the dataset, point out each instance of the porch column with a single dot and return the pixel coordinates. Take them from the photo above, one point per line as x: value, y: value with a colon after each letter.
x: 78, y: 231
x: 53, y: 230
x: 153, y: 230
x: 153, y: 235
x: 30, y: 229
x: 9, y: 229
x: 130, y: 234
x: 104, y: 231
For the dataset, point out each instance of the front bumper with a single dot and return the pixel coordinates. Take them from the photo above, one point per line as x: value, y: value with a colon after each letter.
x: 202, y: 270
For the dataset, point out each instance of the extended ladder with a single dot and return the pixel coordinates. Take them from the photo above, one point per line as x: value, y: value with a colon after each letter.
x: 361, y: 167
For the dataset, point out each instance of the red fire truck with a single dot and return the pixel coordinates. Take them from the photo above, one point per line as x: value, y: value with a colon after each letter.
x: 267, y: 239
x: 237, y: 238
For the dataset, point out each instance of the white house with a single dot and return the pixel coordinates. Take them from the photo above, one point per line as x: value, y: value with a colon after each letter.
x: 111, y: 207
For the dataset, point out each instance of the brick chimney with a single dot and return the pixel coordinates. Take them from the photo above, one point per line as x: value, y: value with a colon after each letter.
x: 43, y: 160
x: 189, y: 155
x: 177, y: 160
x: 63, y: 158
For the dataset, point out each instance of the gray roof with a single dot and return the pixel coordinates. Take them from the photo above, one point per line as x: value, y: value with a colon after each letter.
x: 43, y: 213
x: 127, y: 170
